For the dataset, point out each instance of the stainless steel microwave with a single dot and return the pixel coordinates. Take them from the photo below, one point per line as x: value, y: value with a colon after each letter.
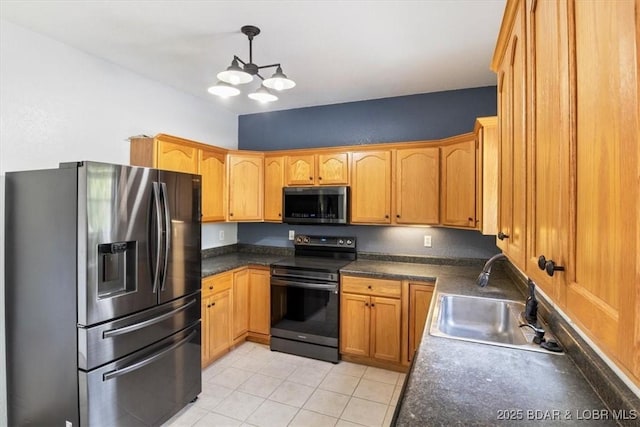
x: 316, y: 205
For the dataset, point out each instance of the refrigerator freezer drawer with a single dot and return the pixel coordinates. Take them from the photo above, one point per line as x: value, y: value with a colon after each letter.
x: 110, y: 341
x: 145, y: 388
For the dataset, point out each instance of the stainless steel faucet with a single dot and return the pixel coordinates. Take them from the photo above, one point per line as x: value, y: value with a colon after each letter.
x: 483, y: 278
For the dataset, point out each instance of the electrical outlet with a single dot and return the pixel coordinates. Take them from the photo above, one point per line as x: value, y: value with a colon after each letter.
x: 221, y: 235
x: 427, y: 241
x: 292, y: 234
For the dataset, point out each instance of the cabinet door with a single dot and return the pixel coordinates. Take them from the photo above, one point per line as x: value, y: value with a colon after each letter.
x: 259, y: 301
x: 487, y: 161
x: 371, y: 187
x: 548, y: 165
x: 459, y: 184
x: 212, y: 168
x: 273, y: 183
x: 385, y: 328
x: 301, y: 170
x: 240, y: 303
x: 207, y: 328
x: 354, y: 324
x: 418, y: 186
x: 333, y: 169
x: 219, y: 312
x: 512, y: 99
x: 246, y: 187
x: 419, y: 300
x: 603, y: 295
x: 177, y: 157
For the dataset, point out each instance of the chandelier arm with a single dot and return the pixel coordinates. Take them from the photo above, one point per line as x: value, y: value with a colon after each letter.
x: 239, y: 60
x: 269, y: 66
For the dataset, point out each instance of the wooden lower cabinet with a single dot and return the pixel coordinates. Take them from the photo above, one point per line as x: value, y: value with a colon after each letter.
x: 259, y: 304
x: 240, y: 304
x: 216, y: 316
x: 420, y: 295
x: 371, y: 325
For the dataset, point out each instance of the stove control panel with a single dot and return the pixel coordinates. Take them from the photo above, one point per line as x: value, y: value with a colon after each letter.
x: 325, y: 241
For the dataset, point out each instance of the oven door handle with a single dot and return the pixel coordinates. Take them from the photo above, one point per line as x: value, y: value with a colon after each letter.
x: 306, y: 285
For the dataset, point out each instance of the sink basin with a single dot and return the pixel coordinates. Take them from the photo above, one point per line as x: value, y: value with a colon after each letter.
x: 482, y: 320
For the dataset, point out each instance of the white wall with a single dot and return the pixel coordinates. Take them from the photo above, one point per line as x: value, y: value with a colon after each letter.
x: 59, y: 104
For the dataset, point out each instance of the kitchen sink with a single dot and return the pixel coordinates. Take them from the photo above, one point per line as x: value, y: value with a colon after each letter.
x: 482, y: 320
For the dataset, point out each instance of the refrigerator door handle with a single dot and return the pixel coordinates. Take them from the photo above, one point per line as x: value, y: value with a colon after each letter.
x: 156, y: 197
x: 167, y: 240
x: 135, y: 366
x: 136, y: 326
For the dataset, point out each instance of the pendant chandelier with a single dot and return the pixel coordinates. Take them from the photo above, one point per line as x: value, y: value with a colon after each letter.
x: 235, y: 75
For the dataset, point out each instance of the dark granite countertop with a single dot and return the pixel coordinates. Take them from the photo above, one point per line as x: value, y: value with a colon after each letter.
x: 221, y: 263
x: 455, y: 382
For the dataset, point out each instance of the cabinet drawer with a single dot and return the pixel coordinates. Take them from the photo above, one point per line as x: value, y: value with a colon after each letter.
x: 369, y: 286
x: 217, y: 283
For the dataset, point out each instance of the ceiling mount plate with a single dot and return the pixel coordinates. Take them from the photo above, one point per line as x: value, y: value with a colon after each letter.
x: 250, y: 31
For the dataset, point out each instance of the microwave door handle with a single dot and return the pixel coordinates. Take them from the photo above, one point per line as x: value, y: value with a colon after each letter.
x: 168, y: 230
x: 155, y: 272
x: 135, y: 366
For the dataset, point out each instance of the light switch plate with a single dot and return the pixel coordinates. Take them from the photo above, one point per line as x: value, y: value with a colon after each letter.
x: 292, y: 234
x: 427, y: 241
x: 221, y: 235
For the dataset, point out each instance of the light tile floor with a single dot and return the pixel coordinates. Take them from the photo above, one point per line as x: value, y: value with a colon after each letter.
x: 253, y: 386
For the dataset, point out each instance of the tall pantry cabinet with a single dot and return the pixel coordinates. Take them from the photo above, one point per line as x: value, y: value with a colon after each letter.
x: 579, y: 126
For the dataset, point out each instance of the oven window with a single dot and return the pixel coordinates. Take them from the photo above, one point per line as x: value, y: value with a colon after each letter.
x: 305, y: 311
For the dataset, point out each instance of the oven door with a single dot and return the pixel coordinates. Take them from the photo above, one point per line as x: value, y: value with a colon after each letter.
x: 305, y: 310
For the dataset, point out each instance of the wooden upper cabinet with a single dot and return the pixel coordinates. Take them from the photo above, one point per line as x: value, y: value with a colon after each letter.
x: 549, y: 138
x: 513, y: 137
x: 273, y: 183
x: 458, y: 190
x: 487, y: 166
x: 333, y: 169
x: 318, y: 169
x: 301, y: 170
x: 417, y: 186
x: 177, y: 157
x: 212, y: 167
x: 603, y: 294
x: 371, y: 187
x: 181, y: 155
x: 246, y: 187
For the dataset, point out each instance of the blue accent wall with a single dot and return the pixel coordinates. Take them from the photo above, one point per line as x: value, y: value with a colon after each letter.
x: 405, y: 118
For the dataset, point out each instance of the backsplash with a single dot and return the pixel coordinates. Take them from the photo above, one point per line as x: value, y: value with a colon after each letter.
x: 445, y: 242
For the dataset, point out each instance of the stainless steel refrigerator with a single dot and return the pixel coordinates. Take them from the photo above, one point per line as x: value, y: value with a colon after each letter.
x: 102, y: 291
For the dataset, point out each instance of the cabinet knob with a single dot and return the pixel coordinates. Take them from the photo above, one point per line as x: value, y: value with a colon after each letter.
x: 279, y: 214
x: 210, y: 287
x: 212, y: 304
x: 386, y: 216
x: 373, y: 305
x: 397, y: 215
x: 369, y: 287
x: 502, y: 236
x: 470, y: 219
x: 366, y: 304
x: 310, y: 178
x: 230, y: 213
x: 320, y: 178
x: 548, y: 265
x: 208, y: 305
